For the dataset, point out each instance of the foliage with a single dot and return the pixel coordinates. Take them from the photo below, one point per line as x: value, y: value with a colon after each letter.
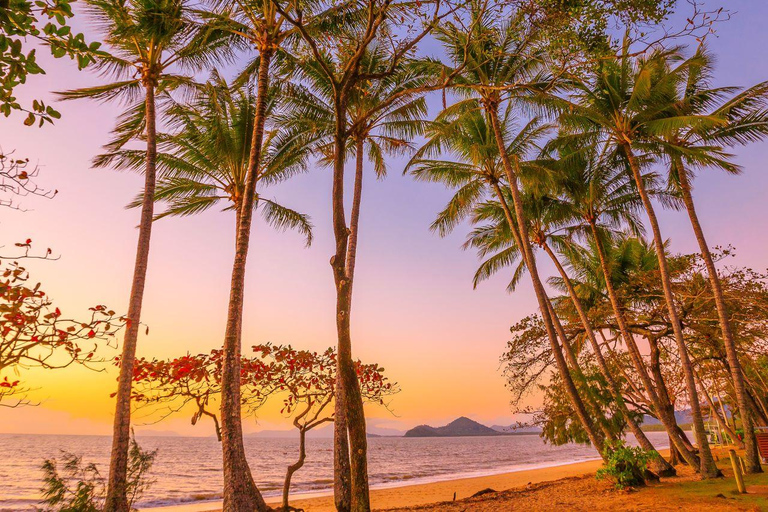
x: 17, y: 180
x: 204, y: 161
x: 625, y: 465
x: 35, y: 333
x: 140, y: 464
x: 44, y: 21
x: 305, y: 380
x: 557, y: 420
x: 77, y: 488
x: 528, y: 365
x: 151, y: 43
x: 74, y: 486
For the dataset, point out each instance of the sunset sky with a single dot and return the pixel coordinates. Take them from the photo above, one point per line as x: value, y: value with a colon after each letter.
x: 414, y: 312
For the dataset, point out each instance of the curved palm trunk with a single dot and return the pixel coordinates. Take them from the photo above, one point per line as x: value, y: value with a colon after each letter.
x: 757, y: 406
x: 663, y: 390
x: 659, y: 465
x: 663, y: 412
x: 240, y: 491
x: 342, y: 471
x: 523, y: 241
x: 117, y: 500
x: 295, y: 467
x: 352, y: 400
x: 581, y: 380
x: 708, y: 467
x: 752, y: 457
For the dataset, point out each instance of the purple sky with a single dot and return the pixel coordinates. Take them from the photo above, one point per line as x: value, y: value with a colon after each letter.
x: 415, y: 311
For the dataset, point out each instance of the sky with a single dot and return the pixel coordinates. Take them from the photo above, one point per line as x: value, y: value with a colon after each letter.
x: 415, y: 311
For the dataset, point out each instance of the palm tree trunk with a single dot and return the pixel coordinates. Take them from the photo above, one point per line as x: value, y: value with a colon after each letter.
x: 341, y: 461
x: 342, y: 491
x: 660, y: 466
x: 708, y: 467
x: 350, y: 393
x: 663, y: 390
x: 523, y: 241
x: 581, y: 380
x: 294, y: 467
x: 117, y: 500
x: 757, y: 407
x: 752, y: 457
x: 240, y: 491
x: 662, y: 410
x: 357, y: 194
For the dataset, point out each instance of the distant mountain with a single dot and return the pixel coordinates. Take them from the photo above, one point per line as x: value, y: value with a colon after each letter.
x: 461, y: 427
x: 374, y: 431
x: 682, y: 417
x: 324, y: 432
x: 513, y: 429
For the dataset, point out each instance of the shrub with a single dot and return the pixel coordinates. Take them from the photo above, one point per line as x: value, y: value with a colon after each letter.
x: 73, y: 486
x: 625, y: 465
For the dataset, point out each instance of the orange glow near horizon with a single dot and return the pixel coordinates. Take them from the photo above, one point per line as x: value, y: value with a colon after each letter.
x: 415, y: 311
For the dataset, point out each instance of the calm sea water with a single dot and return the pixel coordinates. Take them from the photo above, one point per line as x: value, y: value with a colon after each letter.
x: 188, y: 469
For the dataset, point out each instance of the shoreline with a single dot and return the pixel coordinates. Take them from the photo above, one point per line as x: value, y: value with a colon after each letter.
x: 405, y: 493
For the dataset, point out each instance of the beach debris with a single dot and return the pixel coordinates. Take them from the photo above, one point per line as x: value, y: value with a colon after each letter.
x: 483, y: 492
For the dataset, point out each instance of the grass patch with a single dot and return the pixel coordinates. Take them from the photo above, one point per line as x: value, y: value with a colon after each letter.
x: 712, y: 489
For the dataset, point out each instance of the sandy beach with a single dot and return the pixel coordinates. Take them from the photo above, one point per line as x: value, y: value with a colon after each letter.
x: 565, y: 487
x: 426, y: 493
x: 422, y: 494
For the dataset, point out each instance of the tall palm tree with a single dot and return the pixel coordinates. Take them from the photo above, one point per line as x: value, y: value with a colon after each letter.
x: 495, y: 63
x: 494, y: 240
x: 599, y: 197
x: 623, y: 101
x: 259, y: 25
x: 382, y: 117
x: 629, y: 256
x: 204, y: 161
x: 147, y: 41
x: 714, y: 118
x: 476, y: 170
x: 552, y: 222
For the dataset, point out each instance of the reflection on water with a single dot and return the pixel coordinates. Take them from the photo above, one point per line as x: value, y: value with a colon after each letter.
x: 188, y: 469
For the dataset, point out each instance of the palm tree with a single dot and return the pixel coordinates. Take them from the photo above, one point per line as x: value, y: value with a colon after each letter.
x: 551, y: 224
x: 147, y: 40
x: 495, y: 62
x: 714, y: 118
x: 476, y: 170
x: 622, y: 102
x: 259, y: 25
x: 494, y: 241
x: 383, y: 116
x: 203, y: 163
x: 598, y: 197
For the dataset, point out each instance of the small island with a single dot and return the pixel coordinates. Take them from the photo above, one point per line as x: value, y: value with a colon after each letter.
x: 461, y: 427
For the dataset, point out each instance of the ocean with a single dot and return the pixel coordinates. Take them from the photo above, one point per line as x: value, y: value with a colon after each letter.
x: 188, y: 469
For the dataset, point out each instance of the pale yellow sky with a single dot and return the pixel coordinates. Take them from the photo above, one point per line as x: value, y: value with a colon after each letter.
x: 415, y: 311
